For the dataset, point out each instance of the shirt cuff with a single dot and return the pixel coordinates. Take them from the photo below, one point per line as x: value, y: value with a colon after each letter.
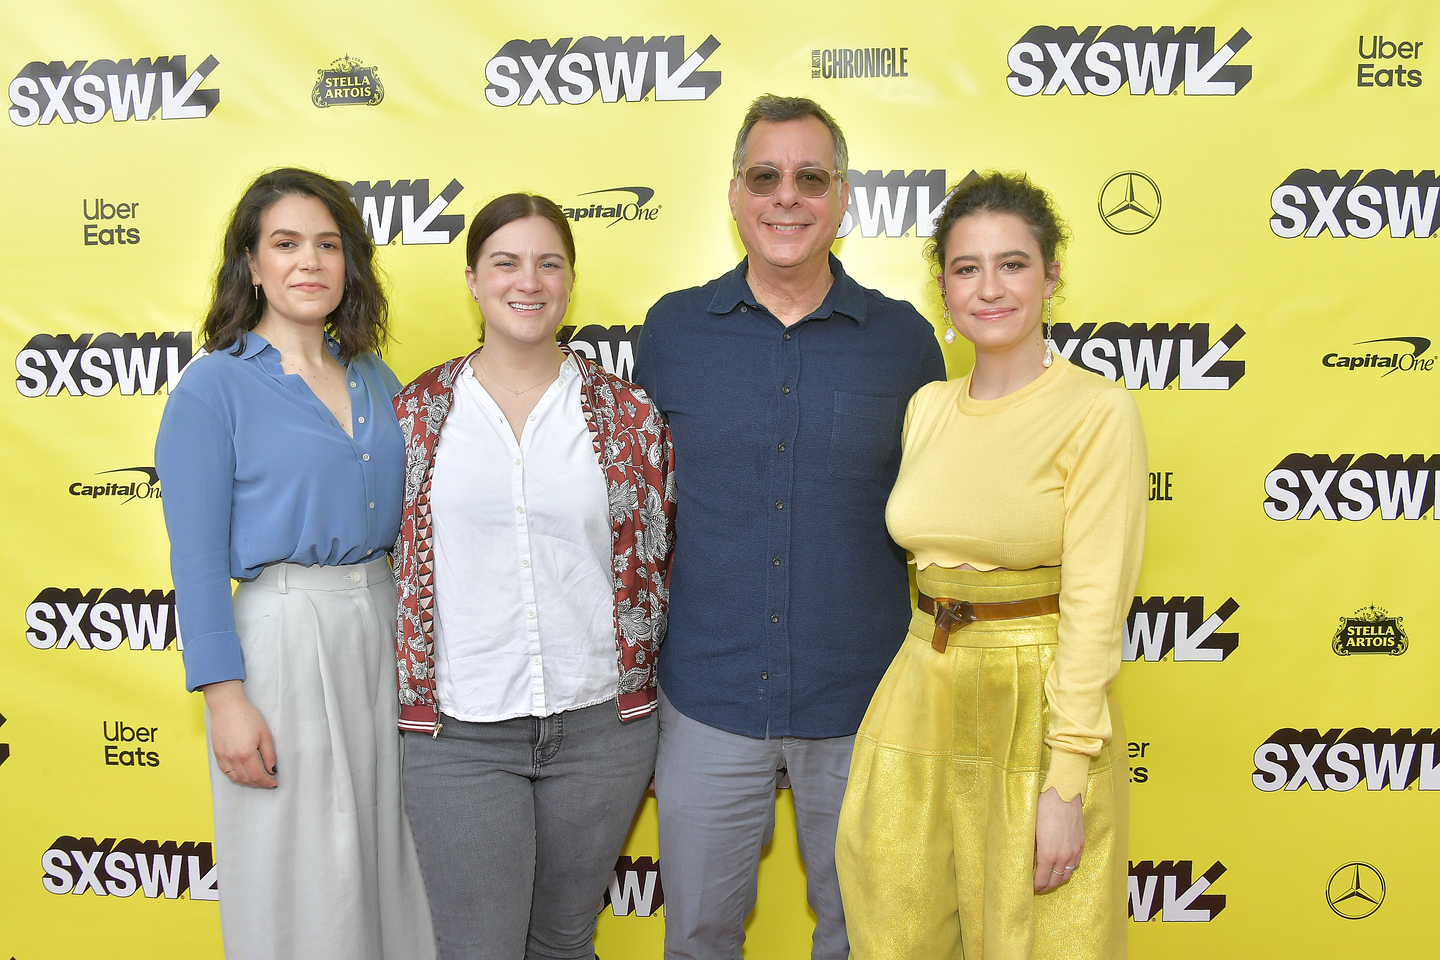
x: 1067, y: 773
x: 212, y: 658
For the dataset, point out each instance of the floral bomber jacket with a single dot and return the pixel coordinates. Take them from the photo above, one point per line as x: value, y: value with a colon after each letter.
x: 632, y: 445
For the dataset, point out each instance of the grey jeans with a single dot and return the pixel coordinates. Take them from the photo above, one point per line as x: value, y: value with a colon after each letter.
x: 519, y: 823
x: 716, y: 799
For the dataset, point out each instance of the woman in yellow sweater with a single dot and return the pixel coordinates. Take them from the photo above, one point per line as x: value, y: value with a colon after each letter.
x: 986, y: 813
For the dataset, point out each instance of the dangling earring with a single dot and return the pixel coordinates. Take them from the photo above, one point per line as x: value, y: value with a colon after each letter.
x: 1049, y: 335
x: 255, y: 289
x: 949, y: 324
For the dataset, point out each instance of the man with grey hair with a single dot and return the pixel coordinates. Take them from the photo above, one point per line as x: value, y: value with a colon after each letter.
x: 785, y: 383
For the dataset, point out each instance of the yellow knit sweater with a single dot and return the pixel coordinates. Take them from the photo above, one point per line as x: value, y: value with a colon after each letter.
x: 1052, y: 475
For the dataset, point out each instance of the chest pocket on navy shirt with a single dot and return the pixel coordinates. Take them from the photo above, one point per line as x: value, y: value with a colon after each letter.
x: 864, y: 436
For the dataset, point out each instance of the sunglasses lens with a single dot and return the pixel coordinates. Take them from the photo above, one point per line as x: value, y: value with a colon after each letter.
x: 812, y: 182
x: 762, y: 181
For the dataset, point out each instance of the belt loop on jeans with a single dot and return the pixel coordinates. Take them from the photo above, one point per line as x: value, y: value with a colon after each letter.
x: 951, y: 615
x: 280, y: 578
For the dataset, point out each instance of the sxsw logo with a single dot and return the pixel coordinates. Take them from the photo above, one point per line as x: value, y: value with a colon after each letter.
x: 1179, y: 627
x: 891, y: 204
x: 1164, y: 891
x: 1358, y: 204
x: 613, y: 347
x: 524, y: 71
x: 149, y: 867
x: 1154, y: 356
x: 634, y: 888
x: 1384, y: 760
x: 419, y: 220
x: 91, y: 620
x: 85, y: 91
x: 1348, y: 487
x: 92, y: 366
x: 1147, y: 59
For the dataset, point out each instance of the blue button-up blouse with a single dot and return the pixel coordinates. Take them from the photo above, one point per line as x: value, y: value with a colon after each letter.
x: 255, y: 469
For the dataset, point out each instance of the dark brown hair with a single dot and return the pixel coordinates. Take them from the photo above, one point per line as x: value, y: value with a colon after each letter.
x: 773, y: 109
x: 996, y: 192
x: 361, y: 323
x: 509, y: 208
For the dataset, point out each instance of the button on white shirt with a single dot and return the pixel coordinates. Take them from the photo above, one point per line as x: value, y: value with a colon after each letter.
x: 524, y: 598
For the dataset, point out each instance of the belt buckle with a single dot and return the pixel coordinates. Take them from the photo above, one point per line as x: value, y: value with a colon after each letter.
x: 950, y: 615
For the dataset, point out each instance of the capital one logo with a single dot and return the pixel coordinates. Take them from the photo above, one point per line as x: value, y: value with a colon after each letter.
x: 1179, y: 627
x: 403, y: 210
x: 1348, y: 487
x: 1153, y: 356
x: 85, y: 91
x: 1358, y: 204
x: 1145, y: 59
x: 524, y: 71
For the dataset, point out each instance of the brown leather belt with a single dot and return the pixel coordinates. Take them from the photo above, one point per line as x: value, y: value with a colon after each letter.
x: 952, y: 615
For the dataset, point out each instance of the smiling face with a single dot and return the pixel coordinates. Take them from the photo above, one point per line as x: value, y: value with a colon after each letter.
x: 786, y: 230
x: 298, y: 260
x: 995, y: 281
x: 522, y: 279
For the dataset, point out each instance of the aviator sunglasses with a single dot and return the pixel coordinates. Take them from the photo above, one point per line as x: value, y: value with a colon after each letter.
x: 762, y: 180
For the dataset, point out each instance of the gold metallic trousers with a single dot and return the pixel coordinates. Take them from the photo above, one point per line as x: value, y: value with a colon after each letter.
x: 936, y: 849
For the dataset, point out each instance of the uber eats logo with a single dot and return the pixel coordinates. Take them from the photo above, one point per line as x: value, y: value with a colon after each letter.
x: 86, y: 91
x: 1379, y: 759
x: 92, y: 366
x: 1358, y: 204
x: 1180, y: 628
x: 152, y: 868
x: 524, y: 71
x: 1143, y: 59
x: 1348, y: 487
x: 1157, y: 356
x: 90, y: 620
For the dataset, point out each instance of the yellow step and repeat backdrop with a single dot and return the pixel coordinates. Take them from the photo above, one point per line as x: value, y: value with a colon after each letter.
x: 1254, y: 203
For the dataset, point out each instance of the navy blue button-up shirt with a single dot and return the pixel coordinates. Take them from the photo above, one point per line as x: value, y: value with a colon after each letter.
x: 788, y: 599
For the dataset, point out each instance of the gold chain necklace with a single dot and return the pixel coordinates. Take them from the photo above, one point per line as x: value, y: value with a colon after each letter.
x: 517, y: 393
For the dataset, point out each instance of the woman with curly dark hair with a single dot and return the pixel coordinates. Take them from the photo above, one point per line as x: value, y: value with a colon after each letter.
x: 533, y: 561
x: 987, y: 808
x: 283, y: 465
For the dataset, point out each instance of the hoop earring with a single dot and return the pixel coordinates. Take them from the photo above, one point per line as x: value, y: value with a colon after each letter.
x: 1049, y: 335
x: 949, y: 324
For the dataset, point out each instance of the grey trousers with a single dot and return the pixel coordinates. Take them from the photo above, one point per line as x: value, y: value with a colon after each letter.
x: 519, y: 823
x: 716, y: 798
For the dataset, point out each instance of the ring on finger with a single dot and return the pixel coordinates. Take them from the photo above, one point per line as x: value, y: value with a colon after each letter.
x: 1058, y: 873
x: 1069, y: 868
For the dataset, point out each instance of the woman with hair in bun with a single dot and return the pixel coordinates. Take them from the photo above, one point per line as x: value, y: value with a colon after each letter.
x: 283, y: 465
x: 987, y: 808
x: 533, y: 562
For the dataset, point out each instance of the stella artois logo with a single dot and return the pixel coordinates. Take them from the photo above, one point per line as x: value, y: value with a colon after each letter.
x: 345, y: 82
x: 1370, y: 630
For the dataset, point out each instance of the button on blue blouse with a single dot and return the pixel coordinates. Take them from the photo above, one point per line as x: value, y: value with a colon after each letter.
x: 255, y: 469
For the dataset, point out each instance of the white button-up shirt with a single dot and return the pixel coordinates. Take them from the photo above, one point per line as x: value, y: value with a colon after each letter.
x: 524, y: 600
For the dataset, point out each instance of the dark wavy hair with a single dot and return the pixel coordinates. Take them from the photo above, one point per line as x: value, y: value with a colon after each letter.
x: 509, y: 208
x: 361, y: 323
x: 996, y: 192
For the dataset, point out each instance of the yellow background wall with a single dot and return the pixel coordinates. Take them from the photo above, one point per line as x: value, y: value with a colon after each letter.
x: 1212, y: 258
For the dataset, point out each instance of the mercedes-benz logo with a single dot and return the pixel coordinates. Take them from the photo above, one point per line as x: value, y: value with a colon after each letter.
x: 1129, y: 202
x: 1355, y: 891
